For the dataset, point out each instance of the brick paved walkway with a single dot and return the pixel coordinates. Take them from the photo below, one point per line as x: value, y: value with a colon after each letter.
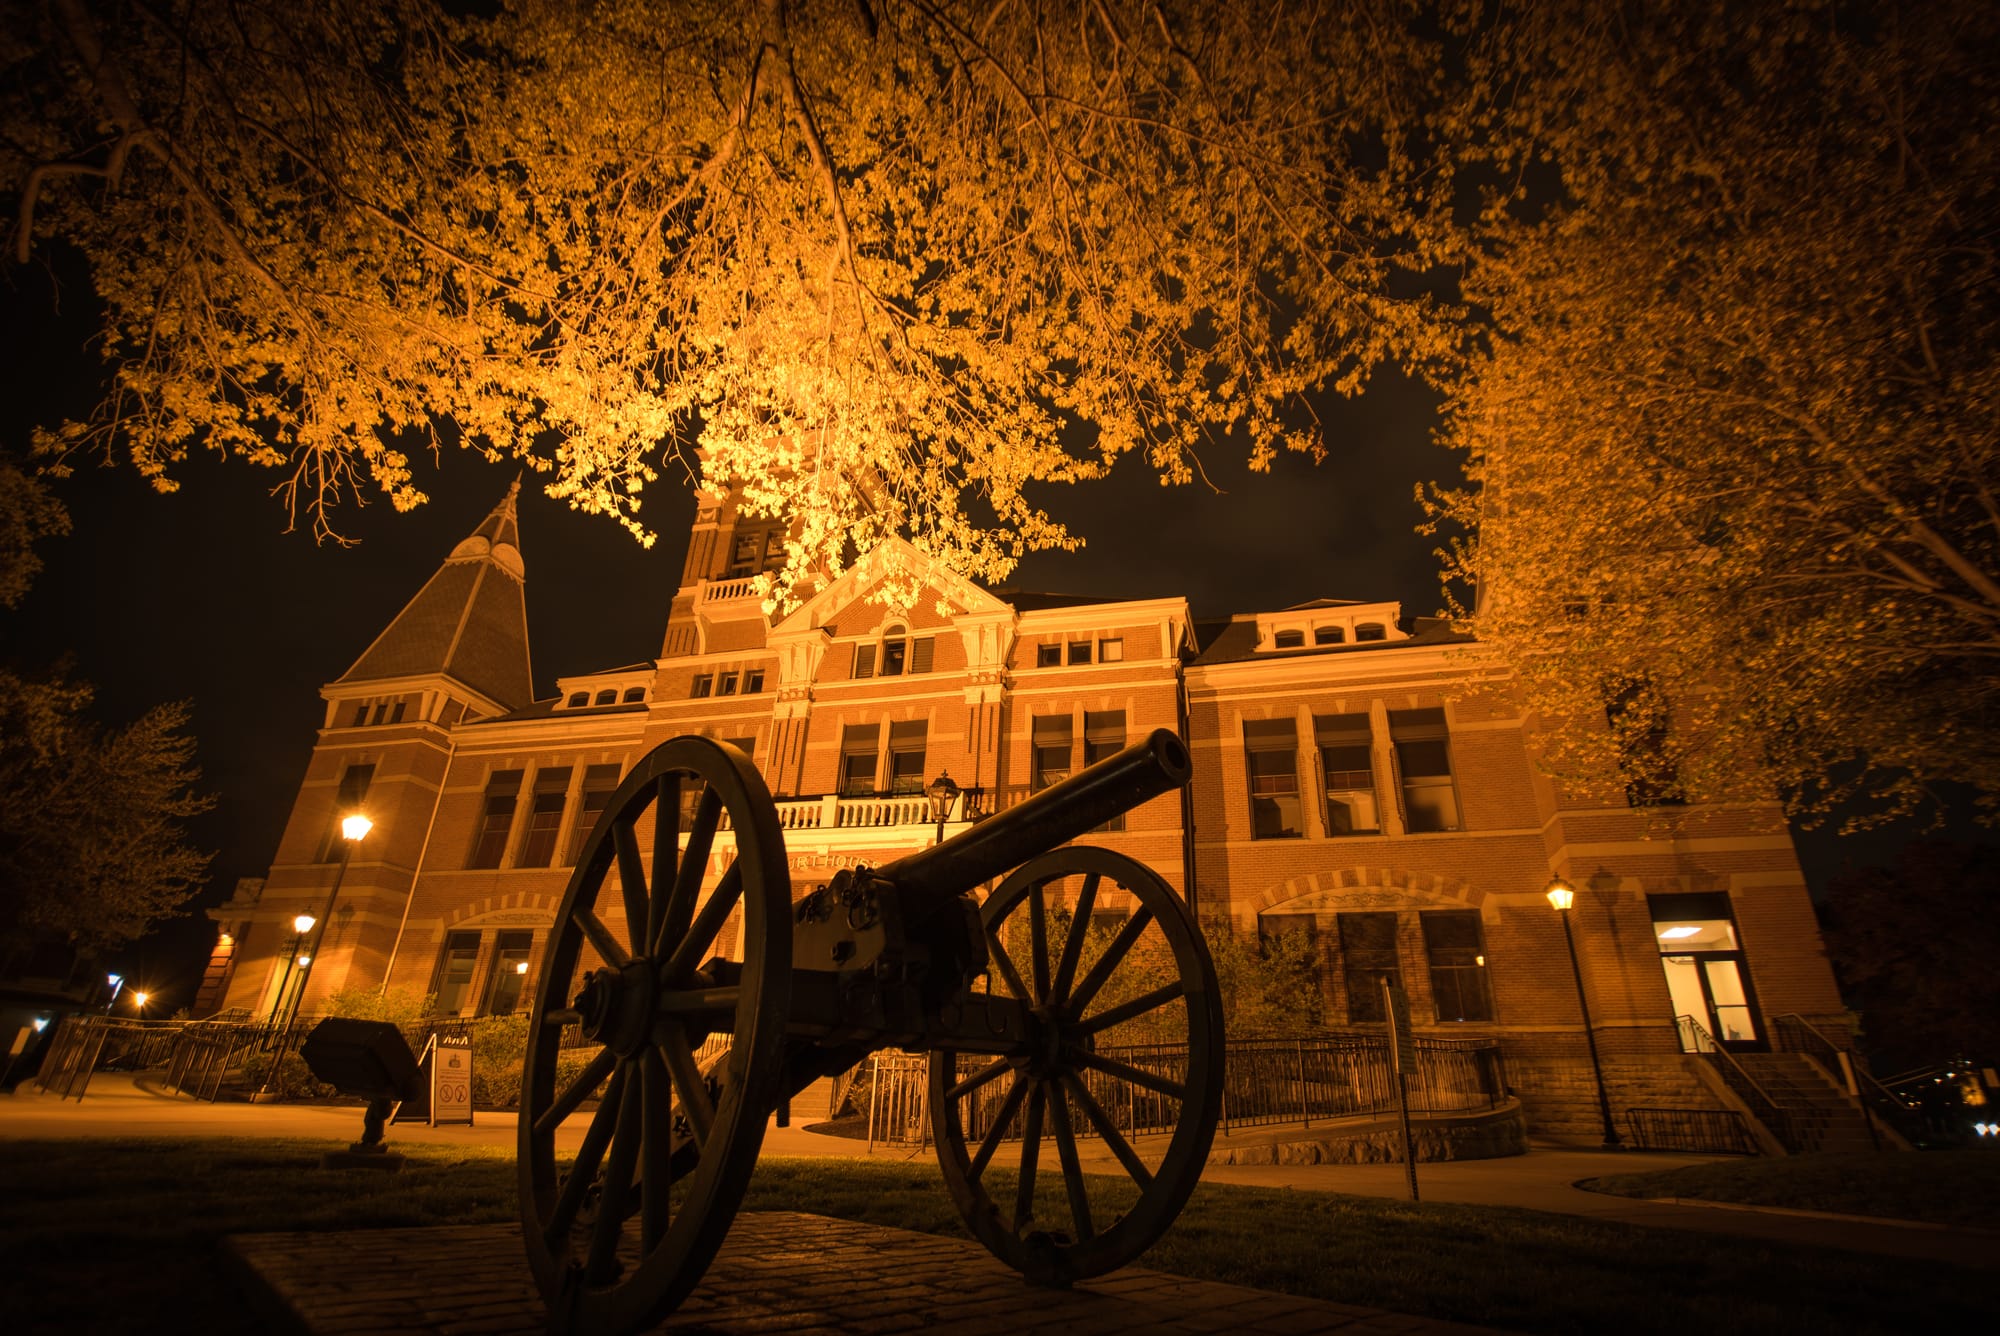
x: 779, y: 1272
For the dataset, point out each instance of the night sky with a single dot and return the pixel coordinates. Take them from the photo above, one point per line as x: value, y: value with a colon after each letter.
x: 201, y: 595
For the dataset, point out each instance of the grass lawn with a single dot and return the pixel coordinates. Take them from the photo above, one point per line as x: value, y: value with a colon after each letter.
x: 110, y: 1235
x: 1947, y: 1187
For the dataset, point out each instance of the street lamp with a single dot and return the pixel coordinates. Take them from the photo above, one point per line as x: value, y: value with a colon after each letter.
x: 1562, y: 895
x: 301, y: 925
x: 941, y: 791
x: 353, y: 830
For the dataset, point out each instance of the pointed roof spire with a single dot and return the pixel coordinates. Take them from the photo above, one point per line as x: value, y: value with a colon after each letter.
x: 469, y: 621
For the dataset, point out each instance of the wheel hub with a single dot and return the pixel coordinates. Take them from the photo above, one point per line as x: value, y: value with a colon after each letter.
x: 617, y: 1006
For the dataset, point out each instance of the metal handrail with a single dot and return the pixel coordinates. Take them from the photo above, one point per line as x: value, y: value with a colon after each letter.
x: 1695, y: 1038
x: 1799, y: 1035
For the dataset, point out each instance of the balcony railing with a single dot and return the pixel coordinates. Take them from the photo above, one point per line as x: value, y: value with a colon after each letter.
x: 723, y: 591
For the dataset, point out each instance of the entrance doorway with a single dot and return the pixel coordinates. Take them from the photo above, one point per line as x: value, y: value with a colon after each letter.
x: 1707, y: 976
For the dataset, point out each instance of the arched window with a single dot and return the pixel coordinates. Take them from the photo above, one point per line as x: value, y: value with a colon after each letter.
x: 578, y: 699
x: 634, y: 694
x: 1328, y: 635
x: 895, y: 651
x: 1370, y: 631
x: 1288, y: 640
x: 608, y: 696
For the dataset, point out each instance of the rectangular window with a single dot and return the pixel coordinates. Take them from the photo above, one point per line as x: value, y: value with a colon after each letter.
x: 1048, y: 655
x: 510, y: 972
x: 453, y: 981
x: 864, y: 661
x: 921, y: 654
x: 906, y: 756
x: 1053, y: 738
x: 893, y: 654
x: 1111, y: 650
x: 753, y: 682
x: 396, y: 714
x: 1079, y: 651
x: 1457, y: 956
x: 1345, y: 761
x: 725, y: 684
x: 496, y: 819
x: 1104, y: 736
x: 754, y: 549
x: 1423, y: 763
x: 1272, y: 757
x: 858, y: 745
x: 545, y: 812
x: 354, y: 782
x: 704, y: 683
x: 1368, y: 956
x: 599, y: 783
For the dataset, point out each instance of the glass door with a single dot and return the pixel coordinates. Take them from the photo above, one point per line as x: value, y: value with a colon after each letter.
x: 1707, y: 977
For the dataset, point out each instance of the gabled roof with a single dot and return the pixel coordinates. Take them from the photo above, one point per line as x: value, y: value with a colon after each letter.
x: 857, y: 583
x: 469, y: 621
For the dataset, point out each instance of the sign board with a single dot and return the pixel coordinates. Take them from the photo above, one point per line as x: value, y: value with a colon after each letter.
x: 451, y: 1080
x: 444, y: 1084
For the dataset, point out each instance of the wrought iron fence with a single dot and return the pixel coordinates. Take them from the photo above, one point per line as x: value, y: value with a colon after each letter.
x: 1718, y: 1131
x: 1266, y: 1081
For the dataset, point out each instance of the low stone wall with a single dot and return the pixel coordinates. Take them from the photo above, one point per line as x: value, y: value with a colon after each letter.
x: 1486, y: 1136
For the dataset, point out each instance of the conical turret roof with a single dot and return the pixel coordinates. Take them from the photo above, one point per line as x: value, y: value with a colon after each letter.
x: 469, y: 621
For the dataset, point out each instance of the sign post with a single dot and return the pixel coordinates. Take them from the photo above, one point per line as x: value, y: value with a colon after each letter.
x: 1403, y: 1056
x: 443, y: 1092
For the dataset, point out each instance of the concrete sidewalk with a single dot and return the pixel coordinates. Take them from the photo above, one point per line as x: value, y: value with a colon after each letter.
x: 120, y: 1105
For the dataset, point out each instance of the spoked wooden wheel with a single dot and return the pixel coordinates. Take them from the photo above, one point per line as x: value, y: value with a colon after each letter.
x: 681, y: 1134
x: 1123, y: 1066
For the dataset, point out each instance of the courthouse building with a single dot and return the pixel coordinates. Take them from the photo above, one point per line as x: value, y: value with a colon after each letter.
x: 1358, y: 775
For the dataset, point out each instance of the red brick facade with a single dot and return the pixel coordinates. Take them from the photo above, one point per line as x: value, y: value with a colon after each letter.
x: 846, y: 707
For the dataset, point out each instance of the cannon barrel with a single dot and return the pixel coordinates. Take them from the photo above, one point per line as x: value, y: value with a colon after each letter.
x: 1055, y: 816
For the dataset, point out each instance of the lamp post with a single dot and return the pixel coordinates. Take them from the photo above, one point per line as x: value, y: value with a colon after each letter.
x: 941, y: 791
x: 353, y: 830
x: 301, y: 925
x: 1562, y: 895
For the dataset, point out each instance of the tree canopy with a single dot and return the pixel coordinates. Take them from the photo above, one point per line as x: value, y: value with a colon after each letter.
x: 1710, y: 289
x: 886, y: 261
x: 1734, y: 444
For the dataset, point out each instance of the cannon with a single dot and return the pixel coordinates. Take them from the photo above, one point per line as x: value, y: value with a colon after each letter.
x: 711, y: 1013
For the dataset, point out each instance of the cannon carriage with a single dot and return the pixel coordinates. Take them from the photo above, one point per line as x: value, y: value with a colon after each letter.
x: 1019, y: 1003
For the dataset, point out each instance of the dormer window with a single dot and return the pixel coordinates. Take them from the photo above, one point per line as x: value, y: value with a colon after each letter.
x: 1370, y: 631
x: 578, y: 699
x: 1288, y: 640
x: 608, y: 696
x: 634, y: 695
x: 1328, y: 635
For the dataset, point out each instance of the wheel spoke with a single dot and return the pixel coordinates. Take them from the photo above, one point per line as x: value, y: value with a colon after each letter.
x: 679, y: 911
x: 991, y: 1141
x: 602, y: 1266
x: 631, y: 883
x: 1031, y: 1153
x: 1072, y: 953
x: 583, y: 1171
x: 1108, y: 962
x: 1131, y: 1075
x: 1038, y: 942
x: 701, y: 935
x: 697, y: 1000
x: 1072, y: 1168
x: 656, y: 1175
x: 1008, y: 974
x: 1107, y: 1130
x: 979, y: 1078
x: 666, y: 854
x: 587, y: 1080
x: 1131, y: 1007
x: 601, y: 938
x: 695, y: 1103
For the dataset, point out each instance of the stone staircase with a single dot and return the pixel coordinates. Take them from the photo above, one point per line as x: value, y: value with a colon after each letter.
x: 1823, y: 1118
x: 1560, y: 1098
